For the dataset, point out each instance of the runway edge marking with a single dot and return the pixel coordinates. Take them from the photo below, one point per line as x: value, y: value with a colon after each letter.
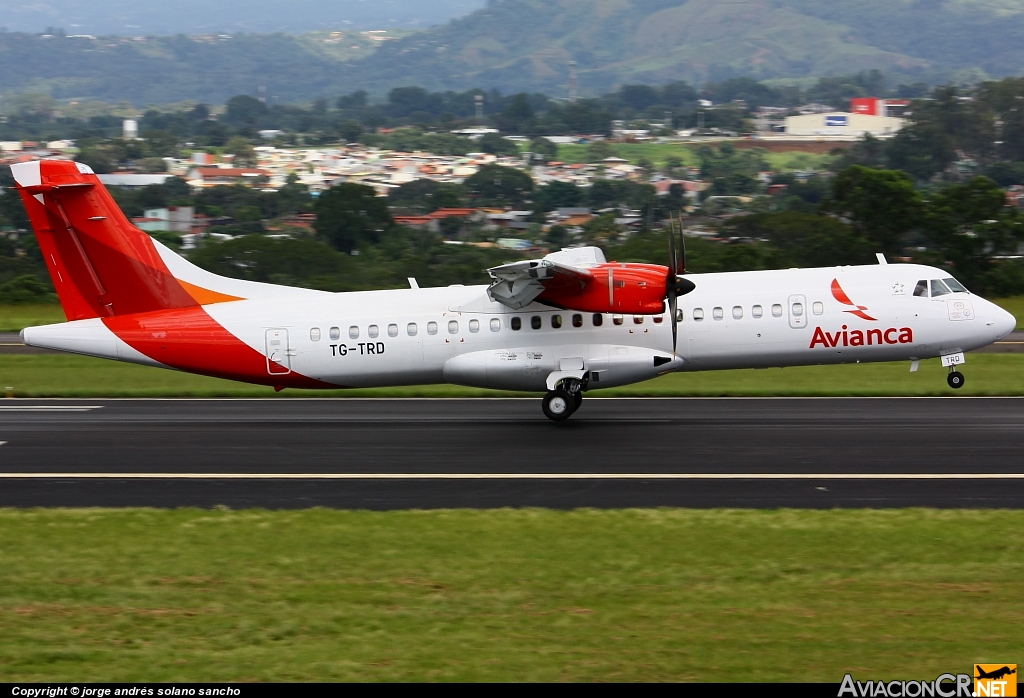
x: 513, y: 476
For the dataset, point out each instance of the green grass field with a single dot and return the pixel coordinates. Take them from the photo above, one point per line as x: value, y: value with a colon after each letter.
x: 52, y: 375
x: 14, y: 318
x: 506, y: 595
x: 658, y: 153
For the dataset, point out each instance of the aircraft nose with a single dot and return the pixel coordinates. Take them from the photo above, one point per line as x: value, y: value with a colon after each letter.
x: 1003, y: 321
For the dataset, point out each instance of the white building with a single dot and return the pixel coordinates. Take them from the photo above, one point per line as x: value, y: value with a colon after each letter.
x: 843, y: 125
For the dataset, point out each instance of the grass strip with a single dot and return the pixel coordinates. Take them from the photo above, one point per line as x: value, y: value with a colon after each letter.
x: 14, y: 318
x: 506, y: 595
x: 60, y: 375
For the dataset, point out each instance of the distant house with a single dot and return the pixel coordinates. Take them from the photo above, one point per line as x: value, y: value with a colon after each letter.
x: 201, y: 177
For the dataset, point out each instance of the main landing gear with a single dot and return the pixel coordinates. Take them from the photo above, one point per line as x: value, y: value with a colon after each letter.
x: 560, y: 403
x: 955, y: 378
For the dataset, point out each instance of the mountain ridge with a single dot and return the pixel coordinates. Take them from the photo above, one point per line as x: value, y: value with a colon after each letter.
x: 527, y: 45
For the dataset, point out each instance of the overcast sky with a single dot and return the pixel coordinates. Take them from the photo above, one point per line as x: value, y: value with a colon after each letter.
x: 132, y: 17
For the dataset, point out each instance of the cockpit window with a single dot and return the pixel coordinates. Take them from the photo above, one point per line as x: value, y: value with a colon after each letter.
x: 921, y: 289
x: 939, y: 288
x: 955, y: 286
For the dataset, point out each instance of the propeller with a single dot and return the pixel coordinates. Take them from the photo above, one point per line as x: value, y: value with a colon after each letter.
x: 676, y: 285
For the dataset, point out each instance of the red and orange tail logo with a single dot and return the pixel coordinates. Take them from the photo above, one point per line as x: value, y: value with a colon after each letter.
x: 840, y: 295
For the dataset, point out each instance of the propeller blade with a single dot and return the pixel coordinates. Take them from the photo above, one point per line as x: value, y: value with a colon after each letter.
x: 672, y: 269
x: 672, y: 305
x: 682, y: 246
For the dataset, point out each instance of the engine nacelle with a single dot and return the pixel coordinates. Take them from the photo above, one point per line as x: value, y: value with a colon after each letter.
x: 638, y: 289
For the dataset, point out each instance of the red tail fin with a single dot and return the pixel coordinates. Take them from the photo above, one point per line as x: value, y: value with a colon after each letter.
x: 101, y: 265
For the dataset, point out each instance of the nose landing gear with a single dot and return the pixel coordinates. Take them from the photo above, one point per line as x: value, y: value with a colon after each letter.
x: 559, y: 404
x: 955, y: 378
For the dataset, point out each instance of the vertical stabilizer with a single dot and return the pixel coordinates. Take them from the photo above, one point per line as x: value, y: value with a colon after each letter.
x: 101, y: 265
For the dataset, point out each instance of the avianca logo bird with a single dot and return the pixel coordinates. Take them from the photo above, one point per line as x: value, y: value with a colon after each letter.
x: 840, y: 295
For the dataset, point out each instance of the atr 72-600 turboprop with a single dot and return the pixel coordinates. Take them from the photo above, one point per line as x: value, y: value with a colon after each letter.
x: 564, y: 324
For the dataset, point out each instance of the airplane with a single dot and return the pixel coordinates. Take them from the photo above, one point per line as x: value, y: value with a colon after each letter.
x: 995, y: 674
x: 564, y: 324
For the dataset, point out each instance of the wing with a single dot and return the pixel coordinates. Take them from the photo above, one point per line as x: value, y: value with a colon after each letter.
x: 518, y: 284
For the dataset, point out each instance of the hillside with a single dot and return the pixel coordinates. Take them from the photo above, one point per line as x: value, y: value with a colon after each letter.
x: 515, y: 45
x: 527, y: 44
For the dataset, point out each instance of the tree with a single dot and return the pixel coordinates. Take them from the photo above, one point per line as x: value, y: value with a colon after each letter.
x: 243, y: 110
x: 495, y: 144
x: 969, y: 224
x: 348, y: 215
x: 803, y: 239
x: 921, y: 150
x: 501, y: 186
x: 426, y: 195
x: 245, y: 155
x: 517, y: 113
x: 882, y: 205
x: 350, y: 130
x: 599, y: 150
x: 543, y: 146
x: 557, y: 194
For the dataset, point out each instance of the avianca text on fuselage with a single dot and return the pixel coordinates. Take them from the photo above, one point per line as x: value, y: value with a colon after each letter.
x: 859, y: 338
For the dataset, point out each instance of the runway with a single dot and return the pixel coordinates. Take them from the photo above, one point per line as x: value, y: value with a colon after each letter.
x: 388, y: 454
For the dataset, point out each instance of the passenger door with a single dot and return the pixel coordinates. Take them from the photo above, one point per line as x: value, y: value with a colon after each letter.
x: 797, y: 305
x: 278, y: 353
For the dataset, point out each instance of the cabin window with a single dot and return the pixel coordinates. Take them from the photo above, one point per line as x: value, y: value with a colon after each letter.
x: 598, y: 319
x: 556, y: 321
x: 939, y: 288
x: 453, y: 327
x: 535, y: 322
x: 335, y: 333
x: 412, y: 329
x: 756, y: 312
x: 577, y: 320
x: 737, y: 312
x: 797, y: 309
x: 818, y: 308
x: 617, y: 319
x: 431, y: 327
x: 717, y: 313
x: 679, y: 314
x: 776, y: 310
x: 658, y: 319
x: 698, y: 314
x: 372, y: 331
x: 638, y: 319
x: 516, y: 323
x: 314, y: 334
x: 474, y: 326
x: 392, y: 330
x: 495, y: 324
x: 955, y: 286
x: 353, y: 332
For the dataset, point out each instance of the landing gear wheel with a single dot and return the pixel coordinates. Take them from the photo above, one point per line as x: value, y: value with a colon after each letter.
x: 955, y: 380
x: 558, y: 405
x: 578, y: 399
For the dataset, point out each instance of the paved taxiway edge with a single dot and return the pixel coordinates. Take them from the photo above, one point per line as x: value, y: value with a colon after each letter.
x: 511, y: 476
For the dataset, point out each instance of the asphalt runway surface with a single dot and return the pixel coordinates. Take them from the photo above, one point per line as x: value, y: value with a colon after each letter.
x: 10, y: 343
x: 397, y: 454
